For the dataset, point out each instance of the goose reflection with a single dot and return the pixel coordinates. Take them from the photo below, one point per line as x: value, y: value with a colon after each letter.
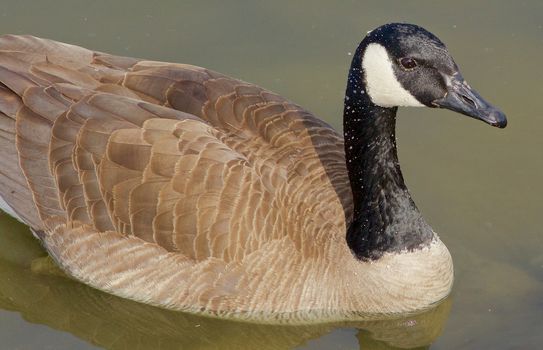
x: 34, y: 287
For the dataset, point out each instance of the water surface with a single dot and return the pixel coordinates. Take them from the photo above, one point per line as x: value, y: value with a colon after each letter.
x: 478, y: 186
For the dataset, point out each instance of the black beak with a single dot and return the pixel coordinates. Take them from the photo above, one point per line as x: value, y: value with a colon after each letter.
x: 463, y: 99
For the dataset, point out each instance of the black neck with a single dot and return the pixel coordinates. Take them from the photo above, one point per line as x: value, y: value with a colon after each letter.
x: 385, y: 218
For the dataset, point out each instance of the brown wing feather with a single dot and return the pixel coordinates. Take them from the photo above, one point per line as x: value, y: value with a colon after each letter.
x: 201, y: 165
x: 278, y: 139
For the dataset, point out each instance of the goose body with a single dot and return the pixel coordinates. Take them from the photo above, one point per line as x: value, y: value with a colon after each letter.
x: 180, y: 187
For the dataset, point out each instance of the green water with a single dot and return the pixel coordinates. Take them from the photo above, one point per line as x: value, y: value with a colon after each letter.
x: 478, y: 186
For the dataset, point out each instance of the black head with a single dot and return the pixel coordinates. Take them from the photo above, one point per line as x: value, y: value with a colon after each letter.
x: 405, y: 65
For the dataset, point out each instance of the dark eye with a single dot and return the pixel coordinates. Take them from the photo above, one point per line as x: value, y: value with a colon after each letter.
x: 408, y: 62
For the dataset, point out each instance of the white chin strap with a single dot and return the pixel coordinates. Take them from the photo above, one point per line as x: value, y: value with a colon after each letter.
x: 382, y: 86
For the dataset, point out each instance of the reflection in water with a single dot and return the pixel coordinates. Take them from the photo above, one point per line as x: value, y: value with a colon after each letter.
x: 42, y: 294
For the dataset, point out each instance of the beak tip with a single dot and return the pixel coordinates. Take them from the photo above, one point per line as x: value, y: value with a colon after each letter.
x: 498, y: 119
x: 502, y: 125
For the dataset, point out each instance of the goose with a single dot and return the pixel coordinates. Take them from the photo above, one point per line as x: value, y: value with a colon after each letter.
x: 177, y: 186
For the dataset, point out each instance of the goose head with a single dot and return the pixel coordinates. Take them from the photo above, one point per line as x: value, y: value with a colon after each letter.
x: 405, y: 65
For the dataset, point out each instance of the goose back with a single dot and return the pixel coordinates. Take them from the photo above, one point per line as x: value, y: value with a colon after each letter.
x: 143, y: 178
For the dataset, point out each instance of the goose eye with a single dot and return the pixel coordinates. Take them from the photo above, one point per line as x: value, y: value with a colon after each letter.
x: 408, y: 62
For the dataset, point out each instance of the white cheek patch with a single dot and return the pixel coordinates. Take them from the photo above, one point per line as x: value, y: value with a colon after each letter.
x: 382, y: 86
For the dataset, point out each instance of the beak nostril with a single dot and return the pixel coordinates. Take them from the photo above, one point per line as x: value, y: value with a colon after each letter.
x: 469, y: 101
x: 459, y: 97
